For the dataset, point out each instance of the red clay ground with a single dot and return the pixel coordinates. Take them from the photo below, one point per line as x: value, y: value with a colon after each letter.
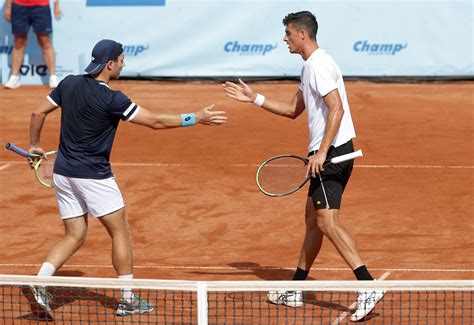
x: 196, y: 213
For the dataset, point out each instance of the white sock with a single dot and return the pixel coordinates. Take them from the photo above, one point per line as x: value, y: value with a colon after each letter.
x: 47, y: 269
x: 127, y: 293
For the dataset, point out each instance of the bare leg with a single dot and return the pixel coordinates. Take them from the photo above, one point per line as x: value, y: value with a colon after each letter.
x: 18, y: 53
x: 313, y: 238
x: 328, y: 222
x: 117, y: 226
x: 49, y: 56
x: 74, y: 237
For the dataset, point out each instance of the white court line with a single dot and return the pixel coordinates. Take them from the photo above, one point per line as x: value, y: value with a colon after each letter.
x: 234, y: 268
x: 415, y: 166
x: 126, y: 164
x: 4, y: 166
x: 351, y: 307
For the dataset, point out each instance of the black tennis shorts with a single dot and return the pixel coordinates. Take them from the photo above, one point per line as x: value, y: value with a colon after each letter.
x: 334, y: 177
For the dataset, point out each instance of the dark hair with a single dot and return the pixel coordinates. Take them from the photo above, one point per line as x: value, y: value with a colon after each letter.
x: 303, y: 20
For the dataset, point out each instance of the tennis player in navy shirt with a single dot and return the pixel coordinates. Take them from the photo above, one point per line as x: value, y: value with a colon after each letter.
x: 83, y: 179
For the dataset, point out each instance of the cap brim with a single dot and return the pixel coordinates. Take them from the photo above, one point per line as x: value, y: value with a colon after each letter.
x: 94, y: 68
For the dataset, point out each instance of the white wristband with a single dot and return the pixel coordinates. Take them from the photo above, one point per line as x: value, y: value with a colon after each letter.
x: 259, y: 100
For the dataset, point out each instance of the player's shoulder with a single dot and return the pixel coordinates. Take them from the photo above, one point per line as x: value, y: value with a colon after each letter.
x: 99, y: 88
x: 118, y: 98
x: 68, y: 82
x: 321, y: 61
x: 320, y: 58
x: 104, y: 92
x: 69, y: 79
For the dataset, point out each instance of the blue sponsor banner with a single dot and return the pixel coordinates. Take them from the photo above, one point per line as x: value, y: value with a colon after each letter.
x: 118, y: 3
x: 180, y: 40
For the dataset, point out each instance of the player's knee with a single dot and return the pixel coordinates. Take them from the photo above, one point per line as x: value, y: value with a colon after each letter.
x: 46, y: 45
x: 19, y: 44
x: 45, y: 42
x: 121, y: 233
x: 327, y: 227
x: 79, y: 237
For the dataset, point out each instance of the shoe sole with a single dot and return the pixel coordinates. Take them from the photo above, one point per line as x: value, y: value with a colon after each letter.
x: 129, y: 313
x: 11, y: 87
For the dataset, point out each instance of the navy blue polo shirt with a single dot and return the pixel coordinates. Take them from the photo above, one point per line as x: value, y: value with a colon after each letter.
x: 90, y: 114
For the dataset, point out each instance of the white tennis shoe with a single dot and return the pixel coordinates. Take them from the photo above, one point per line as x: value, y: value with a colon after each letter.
x: 13, y: 82
x: 42, y: 297
x: 366, y: 301
x: 53, y: 81
x: 287, y: 298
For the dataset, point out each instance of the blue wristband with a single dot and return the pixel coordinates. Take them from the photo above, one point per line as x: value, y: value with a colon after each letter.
x: 188, y: 119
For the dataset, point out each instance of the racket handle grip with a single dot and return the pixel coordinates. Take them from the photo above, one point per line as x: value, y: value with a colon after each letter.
x: 18, y: 150
x: 346, y: 157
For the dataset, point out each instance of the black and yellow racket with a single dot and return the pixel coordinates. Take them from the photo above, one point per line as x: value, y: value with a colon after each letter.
x: 42, y: 164
x: 285, y: 174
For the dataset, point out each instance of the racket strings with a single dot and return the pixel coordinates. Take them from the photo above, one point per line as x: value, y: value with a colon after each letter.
x: 45, y: 171
x: 282, y: 175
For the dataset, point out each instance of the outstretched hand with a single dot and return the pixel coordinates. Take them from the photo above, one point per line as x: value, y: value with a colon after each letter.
x: 241, y: 92
x: 207, y: 116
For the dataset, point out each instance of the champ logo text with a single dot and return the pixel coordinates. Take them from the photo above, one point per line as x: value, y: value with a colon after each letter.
x: 249, y: 49
x: 378, y: 48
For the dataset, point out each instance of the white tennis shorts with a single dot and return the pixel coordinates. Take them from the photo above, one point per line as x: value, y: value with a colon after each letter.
x: 78, y: 196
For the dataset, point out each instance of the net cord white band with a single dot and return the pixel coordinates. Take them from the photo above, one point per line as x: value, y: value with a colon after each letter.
x: 410, y: 285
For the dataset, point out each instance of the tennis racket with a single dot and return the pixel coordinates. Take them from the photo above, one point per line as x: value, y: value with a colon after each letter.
x: 42, y: 164
x: 285, y: 174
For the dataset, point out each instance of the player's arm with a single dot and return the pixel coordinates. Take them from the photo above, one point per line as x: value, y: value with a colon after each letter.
x: 242, y: 92
x: 8, y: 10
x: 335, y: 112
x: 38, y: 116
x: 57, y: 10
x: 157, y: 121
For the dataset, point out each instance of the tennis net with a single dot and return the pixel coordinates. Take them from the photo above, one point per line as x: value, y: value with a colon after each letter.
x: 95, y: 301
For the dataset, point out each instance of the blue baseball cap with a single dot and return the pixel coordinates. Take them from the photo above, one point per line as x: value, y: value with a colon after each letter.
x: 104, y: 51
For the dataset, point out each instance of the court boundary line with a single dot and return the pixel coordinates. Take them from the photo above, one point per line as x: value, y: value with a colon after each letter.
x: 5, y: 166
x: 231, y: 268
x: 127, y: 164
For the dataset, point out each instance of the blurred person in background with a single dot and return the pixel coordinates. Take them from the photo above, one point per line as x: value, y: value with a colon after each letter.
x: 37, y: 13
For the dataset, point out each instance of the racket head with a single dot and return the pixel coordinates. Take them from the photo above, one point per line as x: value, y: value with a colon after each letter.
x: 282, y: 175
x: 44, y: 167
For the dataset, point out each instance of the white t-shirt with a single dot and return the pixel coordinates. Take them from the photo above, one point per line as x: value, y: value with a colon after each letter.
x: 319, y: 76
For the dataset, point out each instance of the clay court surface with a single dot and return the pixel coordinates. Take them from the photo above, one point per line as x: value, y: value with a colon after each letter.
x: 195, y: 211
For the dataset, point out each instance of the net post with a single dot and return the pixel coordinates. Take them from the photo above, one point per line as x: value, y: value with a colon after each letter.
x: 202, y: 302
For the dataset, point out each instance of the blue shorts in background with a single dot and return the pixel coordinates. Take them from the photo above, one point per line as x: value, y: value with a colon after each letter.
x: 25, y: 16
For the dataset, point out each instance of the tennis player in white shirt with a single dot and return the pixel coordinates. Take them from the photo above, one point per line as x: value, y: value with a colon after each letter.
x: 323, y: 95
